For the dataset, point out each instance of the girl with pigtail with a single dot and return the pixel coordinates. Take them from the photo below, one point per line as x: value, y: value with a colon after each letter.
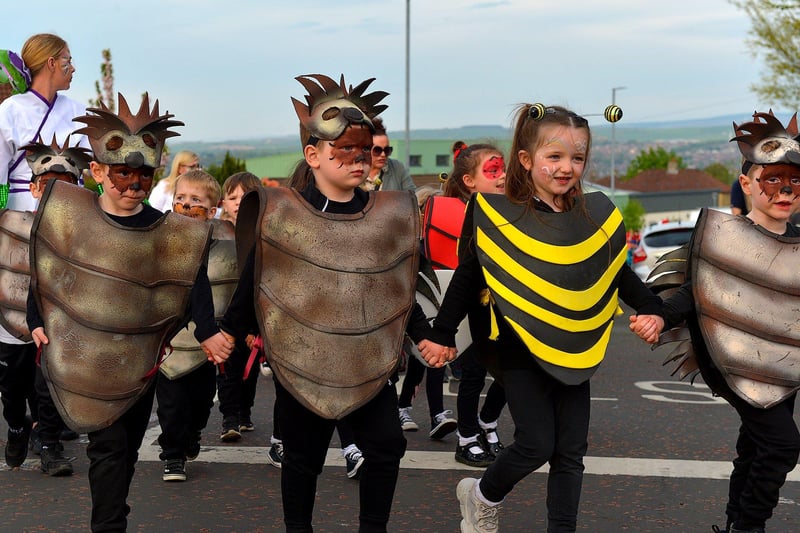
x: 548, y: 262
x: 476, y: 168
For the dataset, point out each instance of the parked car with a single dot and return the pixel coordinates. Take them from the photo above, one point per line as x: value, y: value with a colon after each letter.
x: 658, y: 239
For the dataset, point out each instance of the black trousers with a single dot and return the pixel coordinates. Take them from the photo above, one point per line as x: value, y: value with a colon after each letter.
x: 306, y: 437
x: 113, y: 452
x: 434, y: 377
x: 17, y: 371
x: 473, y: 379
x: 551, y: 426
x: 767, y: 449
x: 236, y: 394
x: 50, y: 422
x: 184, y: 405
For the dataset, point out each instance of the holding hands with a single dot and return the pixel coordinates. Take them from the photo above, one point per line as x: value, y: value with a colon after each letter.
x: 647, y: 327
x: 435, y: 354
x: 218, y: 347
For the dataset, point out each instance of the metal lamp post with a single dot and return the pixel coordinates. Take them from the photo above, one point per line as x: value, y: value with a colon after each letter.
x: 614, y: 144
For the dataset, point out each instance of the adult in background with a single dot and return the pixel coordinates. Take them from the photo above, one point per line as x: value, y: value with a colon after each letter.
x: 36, y: 111
x: 161, y: 195
x: 386, y: 174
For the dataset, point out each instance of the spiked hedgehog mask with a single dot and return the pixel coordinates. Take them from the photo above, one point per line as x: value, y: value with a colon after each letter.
x: 332, y: 107
x: 127, y: 139
x: 765, y: 141
x: 56, y: 159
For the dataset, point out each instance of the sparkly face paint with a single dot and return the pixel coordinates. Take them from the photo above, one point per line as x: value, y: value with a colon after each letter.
x: 557, y: 165
x: 353, y: 146
x: 123, y: 178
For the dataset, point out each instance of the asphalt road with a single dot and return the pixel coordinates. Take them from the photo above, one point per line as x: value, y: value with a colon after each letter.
x: 659, y: 457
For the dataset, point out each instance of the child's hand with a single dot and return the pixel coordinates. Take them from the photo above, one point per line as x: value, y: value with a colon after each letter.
x: 435, y: 354
x: 218, y: 348
x: 39, y: 337
x: 647, y: 327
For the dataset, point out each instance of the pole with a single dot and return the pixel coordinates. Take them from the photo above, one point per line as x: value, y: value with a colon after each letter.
x: 614, y: 144
x: 408, y: 84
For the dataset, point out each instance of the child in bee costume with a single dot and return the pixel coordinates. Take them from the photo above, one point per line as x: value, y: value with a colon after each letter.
x: 740, y: 309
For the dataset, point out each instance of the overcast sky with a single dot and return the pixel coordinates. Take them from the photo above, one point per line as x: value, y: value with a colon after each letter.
x: 227, y: 68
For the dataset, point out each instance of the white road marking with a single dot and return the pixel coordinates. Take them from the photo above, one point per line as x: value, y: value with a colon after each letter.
x: 427, y: 460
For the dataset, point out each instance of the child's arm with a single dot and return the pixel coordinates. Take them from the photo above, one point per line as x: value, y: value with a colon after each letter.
x: 435, y: 354
x: 216, y: 346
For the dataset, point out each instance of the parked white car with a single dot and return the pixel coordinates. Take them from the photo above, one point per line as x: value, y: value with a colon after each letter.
x: 658, y: 239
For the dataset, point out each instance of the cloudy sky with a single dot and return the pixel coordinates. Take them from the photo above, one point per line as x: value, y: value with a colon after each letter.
x: 227, y: 68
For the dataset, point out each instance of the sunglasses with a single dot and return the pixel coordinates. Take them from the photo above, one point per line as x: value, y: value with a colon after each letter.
x: 378, y: 150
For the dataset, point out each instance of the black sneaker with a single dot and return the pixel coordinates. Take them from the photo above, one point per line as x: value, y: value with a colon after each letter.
x: 230, y: 433
x: 36, y: 441
x: 174, y: 470
x: 354, y: 460
x: 275, y: 454
x: 442, y: 425
x: 493, y: 448
x: 17, y: 444
x: 68, y: 434
x: 192, y: 451
x: 472, y: 454
x: 54, y: 463
x: 246, y: 424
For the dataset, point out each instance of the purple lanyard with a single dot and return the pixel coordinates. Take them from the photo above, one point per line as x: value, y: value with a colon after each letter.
x: 38, y: 131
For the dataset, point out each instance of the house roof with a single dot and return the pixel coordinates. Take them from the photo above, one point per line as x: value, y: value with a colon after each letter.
x: 659, y: 180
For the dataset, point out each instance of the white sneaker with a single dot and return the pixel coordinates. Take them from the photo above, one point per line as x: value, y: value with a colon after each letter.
x: 406, y: 422
x: 476, y: 516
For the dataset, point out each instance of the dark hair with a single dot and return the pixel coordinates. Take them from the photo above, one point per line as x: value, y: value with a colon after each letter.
x: 301, y: 176
x: 380, y: 129
x: 519, y: 185
x: 465, y: 161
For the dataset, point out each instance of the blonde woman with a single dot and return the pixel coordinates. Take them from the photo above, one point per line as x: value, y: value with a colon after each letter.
x: 162, y: 193
x: 36, y: 111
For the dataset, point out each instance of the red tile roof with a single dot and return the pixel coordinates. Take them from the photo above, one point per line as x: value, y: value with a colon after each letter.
x: 659, y: 180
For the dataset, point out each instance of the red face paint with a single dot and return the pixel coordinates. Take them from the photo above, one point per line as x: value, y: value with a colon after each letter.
x: 41, y: 181
x: 353, y: 146
x: 494, y: 167
x: 780, y: 178
x: 124, y: 178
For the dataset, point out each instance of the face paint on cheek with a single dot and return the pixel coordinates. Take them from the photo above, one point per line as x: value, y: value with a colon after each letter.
x: 135, y: 180
x: 353, y: 146
x: 494, y: 167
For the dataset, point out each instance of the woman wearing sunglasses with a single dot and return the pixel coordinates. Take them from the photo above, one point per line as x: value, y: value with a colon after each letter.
x: 386, y: 174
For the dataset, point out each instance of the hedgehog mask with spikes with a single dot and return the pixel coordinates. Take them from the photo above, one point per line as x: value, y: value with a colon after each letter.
x: 765, y: 141
x: 126, y: 139
x: 56, y: 159
x: 332, y: 107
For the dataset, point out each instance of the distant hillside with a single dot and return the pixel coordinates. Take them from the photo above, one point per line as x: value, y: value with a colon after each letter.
x: 684, y: 136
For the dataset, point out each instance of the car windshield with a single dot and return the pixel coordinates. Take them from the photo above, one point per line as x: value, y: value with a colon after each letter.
x: 668, y: 238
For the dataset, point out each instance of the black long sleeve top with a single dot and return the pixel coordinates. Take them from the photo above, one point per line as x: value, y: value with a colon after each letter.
x: 201, y: 302
x: 240, y: 319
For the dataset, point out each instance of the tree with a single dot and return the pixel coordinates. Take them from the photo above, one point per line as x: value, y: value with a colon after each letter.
x: 633, y: 215
x: 652, y: 158
x: 230, y: 165
x: 106, y: 96
x: 775, y: 35
x: 721, y: 172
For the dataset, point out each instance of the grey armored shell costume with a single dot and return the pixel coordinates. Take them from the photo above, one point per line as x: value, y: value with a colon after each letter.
x: 15, y: 272
x: 107, y: 321
x: 186, y: 354
x: 746, y: 317
x: 333, y: 292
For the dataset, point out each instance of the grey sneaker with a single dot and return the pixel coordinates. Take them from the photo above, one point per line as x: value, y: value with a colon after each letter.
x: 275, y: 454
x: 476, y: 516
x: 442, y: 425
x: 406, y: 422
